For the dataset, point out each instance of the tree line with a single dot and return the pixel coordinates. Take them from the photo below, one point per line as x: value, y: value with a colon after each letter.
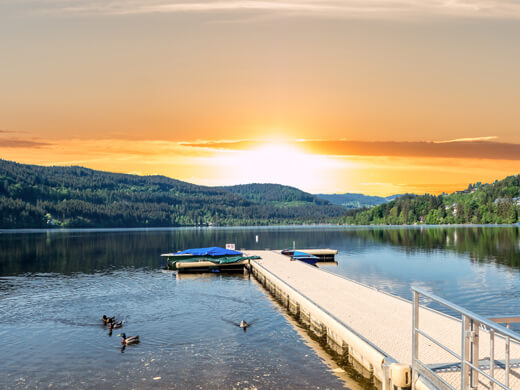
x: 33, y: 196
x: 36, y: 197
x: 498, y: 203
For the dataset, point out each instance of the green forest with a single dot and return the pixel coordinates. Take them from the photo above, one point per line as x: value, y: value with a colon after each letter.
x: 498, y: 202
x: 356, y: 201
x: 34, y: 196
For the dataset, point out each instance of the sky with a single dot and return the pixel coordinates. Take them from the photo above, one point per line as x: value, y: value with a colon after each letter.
x: 374, y: 96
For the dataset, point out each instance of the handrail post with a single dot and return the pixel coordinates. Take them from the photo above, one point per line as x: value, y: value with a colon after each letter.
x: 386, y: 376
x: 508, y: 360
x: 464, y: 353
x: 491, y: 357
x: 415, y: 336
x: 474, y: 337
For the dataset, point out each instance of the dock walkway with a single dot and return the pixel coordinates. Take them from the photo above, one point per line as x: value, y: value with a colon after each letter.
x: 381, y: 319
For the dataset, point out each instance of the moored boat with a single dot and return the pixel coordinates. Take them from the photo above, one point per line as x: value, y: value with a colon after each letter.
x: 301, y: 256
x: 324, y: 254
x: 211, y: 259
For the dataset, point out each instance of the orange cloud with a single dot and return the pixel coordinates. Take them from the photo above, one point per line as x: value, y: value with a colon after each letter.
x: 381, y: 168
x: 462, y: 149
x: 229, y: 145
x: 479, y: 148
x: 18, y: 143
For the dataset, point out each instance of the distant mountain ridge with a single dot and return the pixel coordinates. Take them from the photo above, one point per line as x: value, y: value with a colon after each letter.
x: 33, y: 196
x: 356, y: 201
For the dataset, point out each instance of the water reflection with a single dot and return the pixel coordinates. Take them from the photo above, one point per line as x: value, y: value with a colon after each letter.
x: 51, y: 331
x: 497, y: 244
x: 55, y: 285
x: 475, y: 267
x: 69, y: 252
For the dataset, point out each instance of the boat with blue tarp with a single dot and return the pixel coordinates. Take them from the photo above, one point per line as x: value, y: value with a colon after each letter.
x: 211, y: 259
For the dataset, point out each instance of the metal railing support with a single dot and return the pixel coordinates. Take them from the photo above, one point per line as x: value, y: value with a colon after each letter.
x: 470, y: 367
x: 491, y: 357
x: 415, y: 336
x: 508, y: 359
x: 386, y: 377
x: 474, y: 338
x: 465, y: 352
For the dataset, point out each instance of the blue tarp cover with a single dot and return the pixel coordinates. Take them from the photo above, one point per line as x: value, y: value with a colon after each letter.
x: 302, y: 254
x: 211, y: 251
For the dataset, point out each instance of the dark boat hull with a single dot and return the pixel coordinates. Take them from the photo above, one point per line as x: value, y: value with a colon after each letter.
x: 308, y: 260
x: 302, y: 256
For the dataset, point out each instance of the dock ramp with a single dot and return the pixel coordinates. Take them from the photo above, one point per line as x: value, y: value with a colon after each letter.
x: 377, y: 329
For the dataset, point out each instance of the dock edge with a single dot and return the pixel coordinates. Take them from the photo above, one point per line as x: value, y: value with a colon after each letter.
x: 386, y: 370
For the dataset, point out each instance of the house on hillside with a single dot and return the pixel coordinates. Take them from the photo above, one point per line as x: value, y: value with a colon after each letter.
x: 500, y: 200
x: 453, y: 208
x: 516, y: 201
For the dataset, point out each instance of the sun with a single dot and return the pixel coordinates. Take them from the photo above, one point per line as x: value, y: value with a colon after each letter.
x: 278, y: 162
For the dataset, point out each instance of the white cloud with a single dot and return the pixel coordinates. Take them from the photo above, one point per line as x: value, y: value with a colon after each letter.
x: 473, y: 139
x: 336, y: 8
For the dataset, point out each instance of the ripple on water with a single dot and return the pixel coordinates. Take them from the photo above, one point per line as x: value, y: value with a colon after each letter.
x: 54, y: 328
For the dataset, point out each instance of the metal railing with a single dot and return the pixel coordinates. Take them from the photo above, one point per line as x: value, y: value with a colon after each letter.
x: 469, y: 355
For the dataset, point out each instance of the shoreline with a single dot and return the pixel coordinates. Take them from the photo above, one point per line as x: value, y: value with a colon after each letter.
x: 249, y: 227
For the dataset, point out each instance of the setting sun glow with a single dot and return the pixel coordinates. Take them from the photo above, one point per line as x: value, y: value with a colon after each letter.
x: 338, y: 96
x: 273, y: 163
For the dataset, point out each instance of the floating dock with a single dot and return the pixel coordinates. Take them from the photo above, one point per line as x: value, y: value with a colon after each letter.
x: 388, y: 336
x: 208, y: 266
x: 322, y: 254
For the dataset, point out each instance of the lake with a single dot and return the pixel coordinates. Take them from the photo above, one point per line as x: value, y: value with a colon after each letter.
x: 55, y: 286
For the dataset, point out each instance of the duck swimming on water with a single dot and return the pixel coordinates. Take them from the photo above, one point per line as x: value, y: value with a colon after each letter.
x: 107, y: 320
x: 128, y: 340
x: 115, y: 325
x: 243, y: 324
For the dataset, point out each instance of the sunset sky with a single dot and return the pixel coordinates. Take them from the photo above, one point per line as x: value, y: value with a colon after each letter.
x: 370, y: 96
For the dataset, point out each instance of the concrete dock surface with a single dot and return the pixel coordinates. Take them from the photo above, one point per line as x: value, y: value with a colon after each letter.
x: 383, y: 319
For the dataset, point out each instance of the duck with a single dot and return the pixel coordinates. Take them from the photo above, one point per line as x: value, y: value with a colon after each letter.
x: 242, y: 324
x: 128, y: 340
x: 115, y: 325
x: 107, y: 320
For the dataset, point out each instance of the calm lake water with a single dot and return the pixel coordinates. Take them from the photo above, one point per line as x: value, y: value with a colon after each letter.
x: 54, y: 286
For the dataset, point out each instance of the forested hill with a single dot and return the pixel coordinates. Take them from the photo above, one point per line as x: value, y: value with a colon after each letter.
x: 275, y: 194
x: 34, y: 197
x: 498, y: 202
x: 355, y: 201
